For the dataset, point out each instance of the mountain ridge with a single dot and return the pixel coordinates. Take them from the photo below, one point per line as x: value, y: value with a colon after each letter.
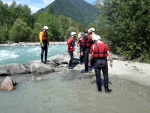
x: 78, y: 10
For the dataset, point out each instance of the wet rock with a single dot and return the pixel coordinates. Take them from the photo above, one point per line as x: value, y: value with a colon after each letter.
x: 8, y: 84
x: 41, y: 68
x: 76, y: 74
x: 13, y: 69
x: 62, y: 68
x: 60, y: 59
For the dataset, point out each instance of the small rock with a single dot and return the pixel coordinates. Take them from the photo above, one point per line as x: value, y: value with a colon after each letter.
x: 8, y: 84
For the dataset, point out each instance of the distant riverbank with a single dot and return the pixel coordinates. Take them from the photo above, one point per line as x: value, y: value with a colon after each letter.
x: 30, y: 44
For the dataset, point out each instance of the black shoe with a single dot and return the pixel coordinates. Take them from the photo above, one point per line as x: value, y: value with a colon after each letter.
x: 70, y: 67
x: 99, y: 90
x: 81, y: 63
x: 47, y: 60
x: 84, y: 71
x: 108, y: 90
x: 43, y: 62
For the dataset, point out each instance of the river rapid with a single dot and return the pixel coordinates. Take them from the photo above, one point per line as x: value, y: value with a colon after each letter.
x: 24, y: 54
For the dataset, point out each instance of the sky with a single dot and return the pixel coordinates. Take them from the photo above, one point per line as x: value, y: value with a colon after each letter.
x: 35, y: 5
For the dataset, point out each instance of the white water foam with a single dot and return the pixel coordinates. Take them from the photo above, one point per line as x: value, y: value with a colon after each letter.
x: 5, y: 55
x: 36, y: 49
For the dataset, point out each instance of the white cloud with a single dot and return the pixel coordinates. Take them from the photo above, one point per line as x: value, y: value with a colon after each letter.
x: 34, y: 5
x: 47, y: 2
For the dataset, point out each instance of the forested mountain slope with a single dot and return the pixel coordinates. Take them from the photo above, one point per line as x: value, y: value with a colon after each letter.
x: 79, y: 10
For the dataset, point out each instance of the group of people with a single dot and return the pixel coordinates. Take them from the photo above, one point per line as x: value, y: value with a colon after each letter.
x: 93, y: 51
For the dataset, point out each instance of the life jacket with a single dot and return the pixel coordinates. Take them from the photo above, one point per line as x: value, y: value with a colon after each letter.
x: 72, y: 43
x: 45, y: 36
x: 89, y: 41
x: 100, y: 50
x: 81, y: 41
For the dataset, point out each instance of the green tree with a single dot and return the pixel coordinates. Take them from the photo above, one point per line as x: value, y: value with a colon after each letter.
x: 51, y: 10
x: 3, y: 34
x: 49, y: 20
x: 20, y: 31
x: 127, y: 26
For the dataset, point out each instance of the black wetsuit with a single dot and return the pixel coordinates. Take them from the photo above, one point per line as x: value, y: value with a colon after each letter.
x: 86, y: 51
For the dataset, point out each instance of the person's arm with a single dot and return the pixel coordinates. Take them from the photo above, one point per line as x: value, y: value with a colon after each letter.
x: 47, y: 41
x: 111, y: 59
x: 110, y: 56
x: 40, y: 38
x: 90, y: 56
x: 89, y: 59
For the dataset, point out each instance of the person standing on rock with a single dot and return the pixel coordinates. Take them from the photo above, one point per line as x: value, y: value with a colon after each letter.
x: 71, y: 44
x: 44, y: 42
x: 81, y: 43
x: 86, y: 49
x: 99, y: 51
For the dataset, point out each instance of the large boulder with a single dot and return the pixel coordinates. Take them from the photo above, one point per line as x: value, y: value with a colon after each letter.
x: 60, y: 59
x: 13, y: 69
x: 30, y: 67
x: 41, y: 68
x: 8, y: 84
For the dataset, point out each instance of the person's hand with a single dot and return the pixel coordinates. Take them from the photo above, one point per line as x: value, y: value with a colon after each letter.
x: 70, y: 46
x: 42, y: 45
x: 81, y: 53
x: 89, y: 64
x: 111, y: 64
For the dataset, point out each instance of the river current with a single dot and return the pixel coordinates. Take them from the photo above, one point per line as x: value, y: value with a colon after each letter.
x: 24, y: 54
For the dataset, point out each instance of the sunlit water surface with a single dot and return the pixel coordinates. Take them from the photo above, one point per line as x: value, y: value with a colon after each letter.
x: 52, y: 93
x: 24, y: 54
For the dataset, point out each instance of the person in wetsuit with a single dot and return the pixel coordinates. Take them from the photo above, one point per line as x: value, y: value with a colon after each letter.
x: 44, y: 42
x: 86, y: 49
x: 81, y: 43
x: 99, y: 51
x: 71, y: 44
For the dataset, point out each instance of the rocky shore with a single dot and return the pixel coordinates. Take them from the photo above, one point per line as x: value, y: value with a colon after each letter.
x: 130, y: 70
x: 138, y: 72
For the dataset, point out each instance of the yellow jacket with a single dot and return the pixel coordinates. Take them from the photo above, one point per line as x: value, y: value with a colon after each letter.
x: 41, y: 34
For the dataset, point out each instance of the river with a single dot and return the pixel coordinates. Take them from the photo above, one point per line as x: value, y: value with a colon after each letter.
x: 53, y: 93
x: 24, y: 54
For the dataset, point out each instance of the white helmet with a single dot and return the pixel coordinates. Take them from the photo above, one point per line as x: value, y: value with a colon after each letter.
x: 45, y: 27
x: 92, y: 29
x: 97, y: 37
x: 89, y: 31
x: 73, y: 33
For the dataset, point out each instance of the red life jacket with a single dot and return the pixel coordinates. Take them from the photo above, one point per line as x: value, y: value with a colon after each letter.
x: 89, y: 41
x: 100, y: 50
x: 45, y: 36
x: 69, y: 43
x: 81, y: 41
